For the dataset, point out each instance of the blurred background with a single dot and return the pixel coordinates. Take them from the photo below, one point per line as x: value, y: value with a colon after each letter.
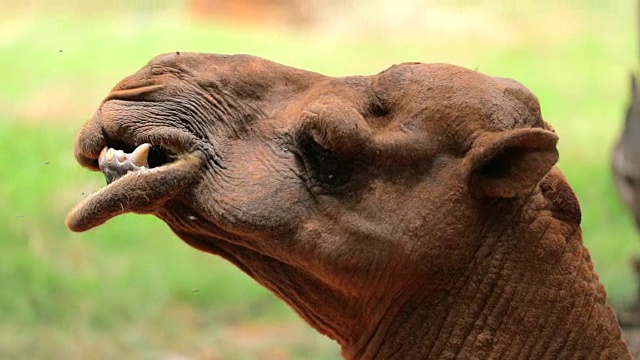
x: 131, y: 289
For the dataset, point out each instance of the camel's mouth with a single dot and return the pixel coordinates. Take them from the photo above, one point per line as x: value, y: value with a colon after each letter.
x: 139, y: 179
x: 116, y: 163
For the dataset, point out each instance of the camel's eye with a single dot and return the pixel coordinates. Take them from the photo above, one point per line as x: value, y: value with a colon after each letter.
x: 324, y: 165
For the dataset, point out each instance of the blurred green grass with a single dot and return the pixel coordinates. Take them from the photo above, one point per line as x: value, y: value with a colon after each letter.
x: 130, y: 289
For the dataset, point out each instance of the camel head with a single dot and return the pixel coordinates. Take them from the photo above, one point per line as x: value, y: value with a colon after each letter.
x: 342, y: 195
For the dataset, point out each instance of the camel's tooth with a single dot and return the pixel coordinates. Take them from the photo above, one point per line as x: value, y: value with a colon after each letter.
x: 110, y: 154
x: 121, y: 155
x: 140, y: 155
x: 103, y: 154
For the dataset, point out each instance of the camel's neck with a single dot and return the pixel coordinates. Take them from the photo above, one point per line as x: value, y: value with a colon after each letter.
x: 538, y: 298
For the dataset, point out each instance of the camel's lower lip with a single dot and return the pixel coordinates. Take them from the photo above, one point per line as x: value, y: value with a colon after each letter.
x: 141, y: 191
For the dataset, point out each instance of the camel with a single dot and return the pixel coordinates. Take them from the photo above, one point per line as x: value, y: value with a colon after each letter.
x: 413, y: 214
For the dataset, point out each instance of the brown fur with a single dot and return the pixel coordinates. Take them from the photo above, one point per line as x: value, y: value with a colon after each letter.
x: 413, y: 214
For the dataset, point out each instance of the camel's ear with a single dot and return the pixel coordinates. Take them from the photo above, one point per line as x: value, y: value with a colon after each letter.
x: 508, y: 163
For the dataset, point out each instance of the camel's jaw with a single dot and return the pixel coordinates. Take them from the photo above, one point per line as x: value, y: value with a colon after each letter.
x: 142, y: 182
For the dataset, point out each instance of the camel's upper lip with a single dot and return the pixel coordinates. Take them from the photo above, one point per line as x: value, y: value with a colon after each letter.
x: 132, y: 186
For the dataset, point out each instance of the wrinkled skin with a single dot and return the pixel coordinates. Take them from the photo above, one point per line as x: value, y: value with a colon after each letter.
x: 413, y: 214
x: 626, y: 157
